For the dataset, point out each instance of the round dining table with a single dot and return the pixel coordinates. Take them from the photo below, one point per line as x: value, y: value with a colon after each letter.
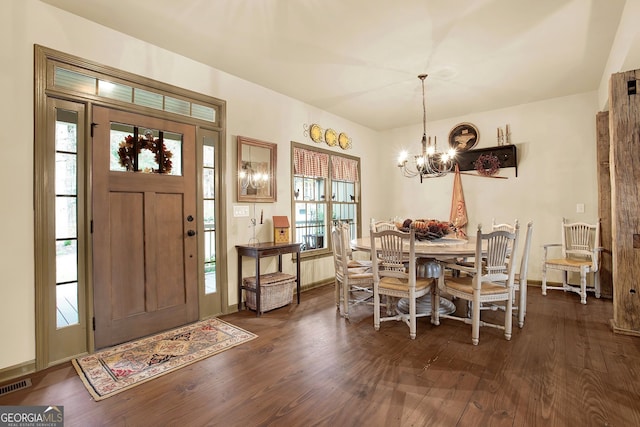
x: 440, y: 249
x: 444, y: 249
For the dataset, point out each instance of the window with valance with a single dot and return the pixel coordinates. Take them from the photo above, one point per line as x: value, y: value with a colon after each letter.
x: 326, y: 189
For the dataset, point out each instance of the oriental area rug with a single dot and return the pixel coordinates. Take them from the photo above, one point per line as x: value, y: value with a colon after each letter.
x: 115, y: 369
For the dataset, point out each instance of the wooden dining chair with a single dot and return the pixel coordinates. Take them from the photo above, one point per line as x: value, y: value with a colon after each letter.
x: 520, y: 280
x: 379, y: 225
x: 580, y: 254
x: 394, y: 276
x: 492, y: 281
x: 352, y: 261
x: 495, y: 226
x: 468, y: 265
x: 354, y: 285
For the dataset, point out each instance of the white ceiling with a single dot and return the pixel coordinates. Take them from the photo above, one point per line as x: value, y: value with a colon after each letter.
x: 360, y: 59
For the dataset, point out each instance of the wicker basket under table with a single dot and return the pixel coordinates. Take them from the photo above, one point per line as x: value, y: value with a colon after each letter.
x: 276, y: 290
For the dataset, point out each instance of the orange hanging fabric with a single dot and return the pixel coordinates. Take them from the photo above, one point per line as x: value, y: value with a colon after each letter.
x: 458, y: 215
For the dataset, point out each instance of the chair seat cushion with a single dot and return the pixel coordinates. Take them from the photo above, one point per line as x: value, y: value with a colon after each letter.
x: 569, y: 262
x: 465, y: 284
x: 402, y: 285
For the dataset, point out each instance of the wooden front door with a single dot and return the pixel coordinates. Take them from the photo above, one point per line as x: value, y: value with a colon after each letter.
x: 144, y: 221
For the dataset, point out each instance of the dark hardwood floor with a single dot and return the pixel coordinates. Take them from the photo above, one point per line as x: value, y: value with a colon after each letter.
x: 311, y: 367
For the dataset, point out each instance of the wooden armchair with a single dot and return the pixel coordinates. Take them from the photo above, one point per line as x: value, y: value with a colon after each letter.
x: 491, y: 282
x: 580, y: 254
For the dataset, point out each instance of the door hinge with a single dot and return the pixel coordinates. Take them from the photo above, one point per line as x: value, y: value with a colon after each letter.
x: 91, y: 227
x: 631, y: 87
x: 93, y: 323
x: 93, y: 125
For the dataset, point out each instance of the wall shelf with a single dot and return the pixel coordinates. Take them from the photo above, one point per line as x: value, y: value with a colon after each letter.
x: 507, y: 156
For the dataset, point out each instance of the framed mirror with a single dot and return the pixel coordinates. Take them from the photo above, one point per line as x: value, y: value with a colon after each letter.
x: 256, y: 170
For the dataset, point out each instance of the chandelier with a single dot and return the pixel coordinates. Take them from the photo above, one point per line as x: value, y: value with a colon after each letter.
x: 429, y: 163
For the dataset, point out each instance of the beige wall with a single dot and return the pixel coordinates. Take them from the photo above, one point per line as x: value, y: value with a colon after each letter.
x: 252, y: 111
x: 556, y: 141
x: 556, y: 147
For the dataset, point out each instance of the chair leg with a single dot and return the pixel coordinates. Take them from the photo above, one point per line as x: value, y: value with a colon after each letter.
x: 346, y: 288
x: 583, y: 286
x: 412, y: 317
x: 508, y: 318
x: 596, y: 282
x: 475, y: 323
x: 544, y: 279
x: 522, y: 303
x: 376, y: 310
x: 337, y: 294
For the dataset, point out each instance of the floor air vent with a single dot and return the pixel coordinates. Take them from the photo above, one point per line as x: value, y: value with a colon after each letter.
x: 5, y: 389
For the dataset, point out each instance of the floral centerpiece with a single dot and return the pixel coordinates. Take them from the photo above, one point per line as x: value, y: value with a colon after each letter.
x: 427, y: 229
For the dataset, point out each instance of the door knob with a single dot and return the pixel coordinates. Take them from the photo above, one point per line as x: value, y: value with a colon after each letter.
x: 191, y: 233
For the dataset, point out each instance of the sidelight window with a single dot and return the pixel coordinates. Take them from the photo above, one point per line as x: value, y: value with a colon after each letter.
x: 66, y: 217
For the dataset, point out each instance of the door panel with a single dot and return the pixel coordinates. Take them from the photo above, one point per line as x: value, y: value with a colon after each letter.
x: 127, y: 254
x: 169, y: 237
x: 145, y: 261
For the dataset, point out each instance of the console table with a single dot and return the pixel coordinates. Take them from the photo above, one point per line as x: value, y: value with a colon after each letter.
x: 262, y: 250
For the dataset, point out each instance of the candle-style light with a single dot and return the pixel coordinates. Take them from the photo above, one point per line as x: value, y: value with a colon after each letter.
x: 429, y: 163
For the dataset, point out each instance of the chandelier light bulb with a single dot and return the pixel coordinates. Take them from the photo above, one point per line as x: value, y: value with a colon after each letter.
x: 402, y: 158
x: 431, y: 150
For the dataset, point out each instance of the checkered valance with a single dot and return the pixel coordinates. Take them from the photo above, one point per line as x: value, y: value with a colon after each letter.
x: 343, y: 169
x: 310, y: 163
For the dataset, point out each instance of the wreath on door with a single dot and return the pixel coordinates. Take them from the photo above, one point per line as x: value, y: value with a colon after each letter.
x: 127, y: 151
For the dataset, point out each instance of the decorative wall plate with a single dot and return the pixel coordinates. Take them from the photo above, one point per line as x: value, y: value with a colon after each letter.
x: 463, y: 136
x: 344, y: 141
x: 315, y: 132
x: 331, y: 137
